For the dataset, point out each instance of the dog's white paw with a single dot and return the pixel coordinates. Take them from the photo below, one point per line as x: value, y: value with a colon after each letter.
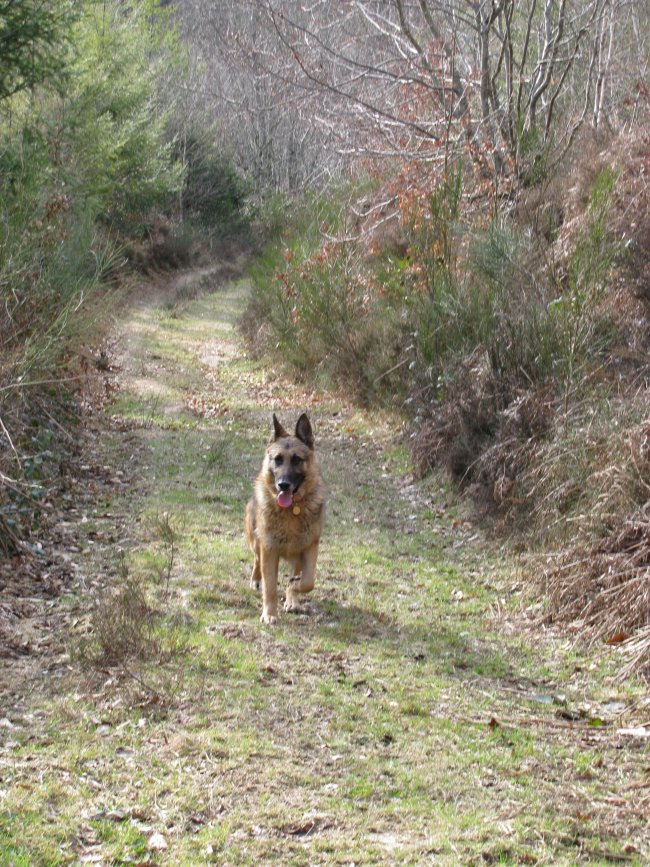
x: 269, y: 619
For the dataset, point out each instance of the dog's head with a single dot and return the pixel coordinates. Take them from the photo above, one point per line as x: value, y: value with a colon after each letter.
x: 288, y: 458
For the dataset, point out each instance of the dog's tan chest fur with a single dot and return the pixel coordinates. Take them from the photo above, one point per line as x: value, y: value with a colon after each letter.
x: 289, y: 534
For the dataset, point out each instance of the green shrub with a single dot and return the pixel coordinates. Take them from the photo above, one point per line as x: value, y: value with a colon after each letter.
x: 325, y: 321
x: 50, y: 260
x: 35, y: 37
x: 111, y: 129
x: 585, y: 327
x: 501, y: 303
x: 324, y: 309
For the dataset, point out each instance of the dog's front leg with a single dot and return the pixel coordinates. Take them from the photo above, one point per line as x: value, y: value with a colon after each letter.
x: 269, y: 562
x: 303, y: 581
x: 256, y: 575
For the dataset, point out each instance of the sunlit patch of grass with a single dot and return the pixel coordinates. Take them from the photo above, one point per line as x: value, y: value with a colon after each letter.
x: 16, y: 856
x: 23, y: 844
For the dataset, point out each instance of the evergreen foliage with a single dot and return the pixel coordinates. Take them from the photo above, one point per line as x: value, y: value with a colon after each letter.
x: 111, y: 122
x: 34, y: 35
x: 95, y: 152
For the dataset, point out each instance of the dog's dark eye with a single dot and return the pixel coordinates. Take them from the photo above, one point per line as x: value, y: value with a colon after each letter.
x: 279, y: 459
x: 295, y: 460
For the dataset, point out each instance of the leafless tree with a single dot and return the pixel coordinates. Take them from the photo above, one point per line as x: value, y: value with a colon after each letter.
x: 241, y: 80
x: 304, y: 85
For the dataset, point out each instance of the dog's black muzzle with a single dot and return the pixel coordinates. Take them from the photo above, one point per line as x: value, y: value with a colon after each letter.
x: 289, y: 483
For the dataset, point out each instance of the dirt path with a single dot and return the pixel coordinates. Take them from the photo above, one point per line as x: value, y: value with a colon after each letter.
x: 402, y: 718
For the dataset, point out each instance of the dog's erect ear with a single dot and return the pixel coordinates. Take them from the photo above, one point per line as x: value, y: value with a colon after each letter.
x: 304, y: 431
x: 278, y: 430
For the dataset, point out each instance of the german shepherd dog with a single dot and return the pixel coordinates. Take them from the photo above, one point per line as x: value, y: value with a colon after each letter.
x: 285, y: 515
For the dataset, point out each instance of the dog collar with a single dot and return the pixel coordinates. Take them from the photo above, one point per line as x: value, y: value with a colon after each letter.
x: 295, y: 509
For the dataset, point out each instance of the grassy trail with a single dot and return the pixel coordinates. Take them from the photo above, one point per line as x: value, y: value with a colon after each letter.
x: 400, y: 719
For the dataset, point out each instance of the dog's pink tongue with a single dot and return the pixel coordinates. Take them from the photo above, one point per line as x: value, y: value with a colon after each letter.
x: 285, y: 499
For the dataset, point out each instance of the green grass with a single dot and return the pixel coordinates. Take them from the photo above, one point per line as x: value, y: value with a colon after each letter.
x: 396, y: 721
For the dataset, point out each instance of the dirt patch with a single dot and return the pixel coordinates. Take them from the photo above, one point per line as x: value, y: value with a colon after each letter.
x: 45, y: 588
